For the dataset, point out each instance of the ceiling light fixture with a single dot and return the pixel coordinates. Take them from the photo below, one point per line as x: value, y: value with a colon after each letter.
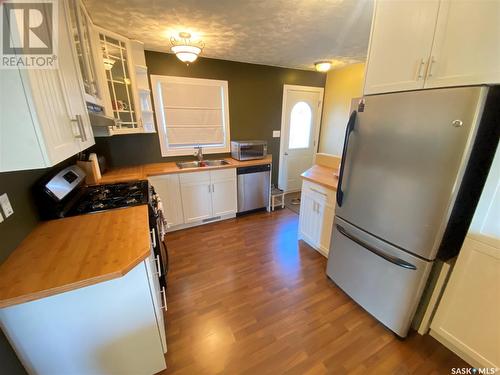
x: 185, y: 49
x: 323, y: 66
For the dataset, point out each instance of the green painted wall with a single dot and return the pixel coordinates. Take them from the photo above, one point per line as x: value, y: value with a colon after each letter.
x: 255, y: 98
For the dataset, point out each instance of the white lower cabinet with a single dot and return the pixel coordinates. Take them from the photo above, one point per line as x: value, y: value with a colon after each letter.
x: 467, y: 318
x: 317, y: 210
x: 168, y: 188
x: 224, y: 192
x: 195, y: 198
x: 112, y: 327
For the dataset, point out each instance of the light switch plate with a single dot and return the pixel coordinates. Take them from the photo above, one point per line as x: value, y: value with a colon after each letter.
x: 6, y: 207
x: 276, y: 133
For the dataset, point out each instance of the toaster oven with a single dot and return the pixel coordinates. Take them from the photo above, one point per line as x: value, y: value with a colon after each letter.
x: 248, y: 150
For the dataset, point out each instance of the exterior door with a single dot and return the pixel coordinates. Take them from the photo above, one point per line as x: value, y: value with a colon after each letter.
x: 300, y: 119
x: 403, y: 164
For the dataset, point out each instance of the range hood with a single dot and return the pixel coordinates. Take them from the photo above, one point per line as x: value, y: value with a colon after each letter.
x: 102, y: 125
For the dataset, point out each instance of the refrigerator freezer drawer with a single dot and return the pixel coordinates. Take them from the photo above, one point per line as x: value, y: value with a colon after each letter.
x: 386, y: 281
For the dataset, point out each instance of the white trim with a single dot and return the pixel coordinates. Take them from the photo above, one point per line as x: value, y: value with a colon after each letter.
x: 287, y: 88
x: 165, y: 150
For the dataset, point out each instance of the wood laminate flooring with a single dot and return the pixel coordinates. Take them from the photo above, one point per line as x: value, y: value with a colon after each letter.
x: 245, y: 297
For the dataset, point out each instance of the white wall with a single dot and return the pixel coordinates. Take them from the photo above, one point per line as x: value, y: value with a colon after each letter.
x: 486, y: 219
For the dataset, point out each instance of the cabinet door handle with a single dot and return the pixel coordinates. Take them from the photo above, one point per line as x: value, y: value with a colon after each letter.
x: 319, y: 192
x: 164, y: 298
x: 420, y: 68
x: 158, y: 269
x: 432, y: 60
x: 81, y: 129
x: 213, y: 188
x: 209, y: 188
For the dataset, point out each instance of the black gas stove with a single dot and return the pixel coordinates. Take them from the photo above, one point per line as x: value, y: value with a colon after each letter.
x: 65, y: 194
x: 106, y: 197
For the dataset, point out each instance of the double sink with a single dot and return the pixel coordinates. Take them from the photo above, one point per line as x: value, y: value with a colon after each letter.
x: 202, y: 163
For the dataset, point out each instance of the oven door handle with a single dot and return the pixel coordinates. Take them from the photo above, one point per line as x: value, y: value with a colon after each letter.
x: 153, y: 237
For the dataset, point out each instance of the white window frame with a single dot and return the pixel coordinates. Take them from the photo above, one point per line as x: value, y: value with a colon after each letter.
x: 166, y: 149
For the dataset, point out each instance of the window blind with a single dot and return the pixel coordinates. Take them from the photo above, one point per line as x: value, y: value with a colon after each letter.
x: 193, y: 113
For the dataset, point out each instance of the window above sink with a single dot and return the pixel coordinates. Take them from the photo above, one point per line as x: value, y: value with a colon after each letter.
x: 191, y: 112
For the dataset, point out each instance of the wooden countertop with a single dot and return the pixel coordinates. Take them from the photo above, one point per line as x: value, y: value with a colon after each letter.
x: 144, y: 171
x: 322, y: 175
x: 70, y: 253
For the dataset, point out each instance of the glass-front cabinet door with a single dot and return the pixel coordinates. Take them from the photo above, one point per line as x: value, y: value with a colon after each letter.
x: 116, y: 60
x: 81, y: 28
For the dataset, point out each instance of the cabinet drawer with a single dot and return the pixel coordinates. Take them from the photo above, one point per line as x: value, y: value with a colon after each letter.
x: 223, y: 174
x: 319, y: 192
x: 194, y: 177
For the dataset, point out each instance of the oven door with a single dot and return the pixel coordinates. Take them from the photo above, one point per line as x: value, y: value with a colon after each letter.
x: 159, y: 248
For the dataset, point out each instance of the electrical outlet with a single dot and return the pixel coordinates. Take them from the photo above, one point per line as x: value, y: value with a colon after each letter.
x: 276, y: 133
x: 6, y: 207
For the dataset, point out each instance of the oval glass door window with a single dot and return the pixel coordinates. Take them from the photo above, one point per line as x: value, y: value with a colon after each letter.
x: 300, y: 126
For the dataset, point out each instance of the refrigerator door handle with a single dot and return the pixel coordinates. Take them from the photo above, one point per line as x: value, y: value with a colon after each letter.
x: 348, y: 130
x: 395, y: 260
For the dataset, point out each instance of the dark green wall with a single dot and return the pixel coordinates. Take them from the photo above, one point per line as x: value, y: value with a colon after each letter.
x: 255, y: 98
x: 18, y: 186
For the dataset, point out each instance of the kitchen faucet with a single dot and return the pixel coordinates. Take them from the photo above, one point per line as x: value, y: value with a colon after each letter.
x: 199, y: 153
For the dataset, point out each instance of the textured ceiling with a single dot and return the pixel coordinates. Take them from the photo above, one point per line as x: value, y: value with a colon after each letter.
x: 289, y: 33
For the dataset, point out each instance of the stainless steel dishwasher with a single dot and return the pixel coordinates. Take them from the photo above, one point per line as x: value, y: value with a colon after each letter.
x: 253, y: 187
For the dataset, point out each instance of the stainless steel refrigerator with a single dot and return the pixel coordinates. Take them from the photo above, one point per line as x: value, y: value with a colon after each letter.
x: 412, y: 170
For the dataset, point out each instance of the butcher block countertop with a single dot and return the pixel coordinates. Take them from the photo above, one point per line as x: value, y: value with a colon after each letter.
x: 74, y: 252
x: 144, y: 171
x: 322, y: 175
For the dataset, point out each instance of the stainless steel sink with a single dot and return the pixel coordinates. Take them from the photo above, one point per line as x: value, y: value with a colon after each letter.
x: 188, y: 164
x: 215, y: 163
x: 200, y: 164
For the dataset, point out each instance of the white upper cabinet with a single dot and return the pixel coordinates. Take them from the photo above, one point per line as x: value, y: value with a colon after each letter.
x: 400, y: 45
x: 86, y: 44
x: 422, y: 44
x: 44, y: 118
x: 466, y: 47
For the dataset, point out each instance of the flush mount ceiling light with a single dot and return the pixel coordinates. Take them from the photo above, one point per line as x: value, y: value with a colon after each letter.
x: 185, y: 49
x: 323, y: 66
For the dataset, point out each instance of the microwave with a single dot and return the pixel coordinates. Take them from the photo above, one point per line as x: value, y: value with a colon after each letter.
x: 248, y: 150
